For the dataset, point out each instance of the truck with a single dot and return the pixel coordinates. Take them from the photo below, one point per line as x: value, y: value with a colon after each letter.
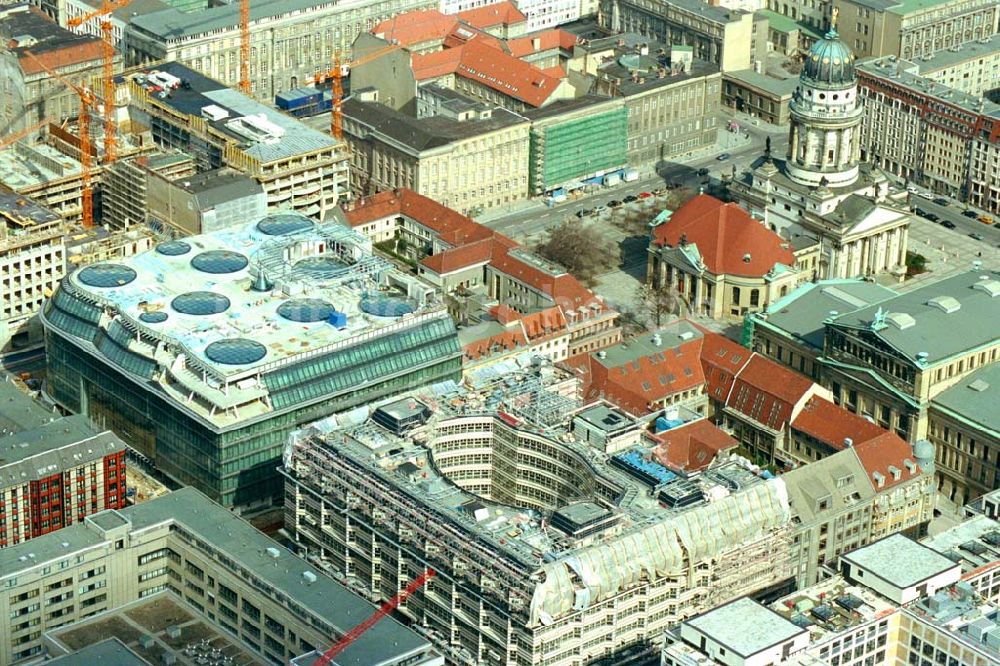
x: 631, y: 175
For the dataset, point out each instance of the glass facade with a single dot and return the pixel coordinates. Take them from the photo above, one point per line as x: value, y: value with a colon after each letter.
x: 97, y: 374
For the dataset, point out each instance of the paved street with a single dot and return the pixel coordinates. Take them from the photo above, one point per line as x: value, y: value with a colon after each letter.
x: 947, y: 252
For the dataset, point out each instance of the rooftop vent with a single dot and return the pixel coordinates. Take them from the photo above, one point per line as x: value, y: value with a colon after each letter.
x: 214, y: 113
x: 991, y: 287
x: 848, y: 442
x: 979, y: 385
x: 879, y: 479
x: 686, y: 335
x: 602, y: 354
x: 946, y: 304
x: 901, y: 320
x: 309, y: 577
x: 922, y: 356
x: 257, y: 128
x: 657, y: 339
x: 273, y: 552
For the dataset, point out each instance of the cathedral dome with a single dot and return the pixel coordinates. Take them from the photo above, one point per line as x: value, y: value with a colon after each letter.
x: 829, y: 62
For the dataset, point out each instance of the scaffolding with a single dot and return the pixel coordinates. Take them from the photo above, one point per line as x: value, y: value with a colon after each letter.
x: 577, y: 148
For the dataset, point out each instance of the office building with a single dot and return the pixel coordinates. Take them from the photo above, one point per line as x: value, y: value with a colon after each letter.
x: 125, y: 192
x: 972, y: 68
x: 205, y: 202
x: 759, y: 95
x: 57, y: 474
x: 164, y: 574
x: 930, y: 134
x: 28, y: 93
x: 576, y: 554
x: 300, y: 169
x: 205, y: 352
x: 290, y: 42
x: 473, y: 162
x: 730, y: 38
x: 907, y: 29
x: 823, y: 189
x: 32, y: 261
x: 791, y: 29
x: 723, y: 263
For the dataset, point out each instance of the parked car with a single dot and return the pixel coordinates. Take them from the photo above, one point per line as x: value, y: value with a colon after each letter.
x: 941, y: 201
x: 703, y: 171
x: 976, y: 236
x: 630, y: 198
x: 948, y: 224
x: 971, y: 214
x: 986, y: 219
x: 581, y: 213
x: 614, y: 203
x: 645, y: 195
x: 723, y: 157
x: 932, y: 217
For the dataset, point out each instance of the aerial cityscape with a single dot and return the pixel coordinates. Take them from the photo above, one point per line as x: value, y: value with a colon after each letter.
x: 517, y: 333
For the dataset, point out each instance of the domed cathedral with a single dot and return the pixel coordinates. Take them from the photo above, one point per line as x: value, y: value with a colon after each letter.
x: 822, y: 193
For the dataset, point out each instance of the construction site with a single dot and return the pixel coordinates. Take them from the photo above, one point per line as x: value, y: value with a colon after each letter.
x: 550, y: 545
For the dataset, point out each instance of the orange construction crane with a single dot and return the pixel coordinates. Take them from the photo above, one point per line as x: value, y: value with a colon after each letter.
x: 108, y: 76
x: 87, y: 102
x: 245, y: 47
x: 335, y: 76
x: 17, y: 136
x: 385, y: 609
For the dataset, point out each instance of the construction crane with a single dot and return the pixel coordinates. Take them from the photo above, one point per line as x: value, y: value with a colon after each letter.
x: 87, y: 102
x: 108, y: 74
x: 385, y: 609
x: 245, y: 47
x: 17, y: 136
x: 335, y: 76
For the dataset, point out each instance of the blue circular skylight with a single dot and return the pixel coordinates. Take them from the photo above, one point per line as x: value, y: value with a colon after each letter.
x: 306, y: 310
x: 106, y: 275
x: 386, y: 306
x: 318, y: 266
x: 156, y: 317
x: 284, y: 224
x: 235, y: 351
x: 174, y: 248
x: 200, y: 303
x: 220, y: 261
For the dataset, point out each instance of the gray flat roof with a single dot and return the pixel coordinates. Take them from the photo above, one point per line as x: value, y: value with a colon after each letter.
x: 605, y: 418
x: 745, y: 627
x: 801, y: 313
x: 19, y: 411
x: 770, y: 84
x: 900, y: 561
x: 110, y: 652
x: 173, y: 24
x: 975, y: 398
x: 422, y: 134
x: 40, y: 451
x: 643, y: 345
x: 948, y: 57
x: 884, y: 68
x: 938, y: 333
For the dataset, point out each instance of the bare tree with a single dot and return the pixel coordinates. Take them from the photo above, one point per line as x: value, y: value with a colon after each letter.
x: 581, y: 249
x: 659, y: 301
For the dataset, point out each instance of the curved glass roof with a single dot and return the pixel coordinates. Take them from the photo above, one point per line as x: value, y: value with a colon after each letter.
x: 219, y: 261
x: 157, y: 317
x: 386, y: 306
x: 306, y: 310
x: 174, y: 248
x: 319, y: 265
x: 106, y: 275
x: 283, y: 224
x: 235, y: 351
x: 200, y: 303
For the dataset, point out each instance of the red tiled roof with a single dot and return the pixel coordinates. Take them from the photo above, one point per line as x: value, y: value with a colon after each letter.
x: 60, y: 57
x: 500, y: 13
x: 886, y: 450
x: 543, y: 323
x: 370, y: 209
x: 464, y: 256
x: 506, y: 341
x: 504, y: 314
x: 832, y: 424
x: 541, y: 41
x: 692, y: 447
x: 415, y: 27
x: 433, y: 65
x: 722, y: 359
x: 504, y: 73
x: 767, y: 392
x: 729, y: 240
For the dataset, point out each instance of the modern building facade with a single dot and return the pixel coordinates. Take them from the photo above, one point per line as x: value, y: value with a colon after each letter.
x: 202, y: 357
x: 300, y: 168
x: 930, y: 134
x: 913, y: 29
x: 57, y: 474
x: 290, y: 42
x: 32, y: 261
x: 197, y: 556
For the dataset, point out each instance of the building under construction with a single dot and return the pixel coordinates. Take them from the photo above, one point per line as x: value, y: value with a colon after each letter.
x: 550, y: 545
x: 300, y: 168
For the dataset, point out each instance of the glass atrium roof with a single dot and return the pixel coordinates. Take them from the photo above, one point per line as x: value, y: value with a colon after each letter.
x: 200, y: 303
x: 220, y: 261
x: 283, y: 224
x: 106, y: 275
x: 236, y: 351
x: 174, y: 248
x: 306, y: 310
x: 386, y: 306
x: 157, y: 317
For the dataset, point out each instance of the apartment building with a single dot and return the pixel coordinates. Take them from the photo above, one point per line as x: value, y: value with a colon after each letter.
x: 732, y: 39
x: 185, y: 552
x: 473, y: 162
x: 32, y: 42
x: 907, y: 29
x: 972, y: 68
x: 57, y: 474
x: 300, y: 169
x: 721, y: 262
x: 290, y: 41
x: 930, y: 134
x: 32, y: 261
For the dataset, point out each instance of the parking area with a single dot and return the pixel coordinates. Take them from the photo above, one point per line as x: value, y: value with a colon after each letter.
x: 947, y: 252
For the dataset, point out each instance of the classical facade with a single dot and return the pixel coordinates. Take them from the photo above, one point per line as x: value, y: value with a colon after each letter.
x: 823, y: 190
